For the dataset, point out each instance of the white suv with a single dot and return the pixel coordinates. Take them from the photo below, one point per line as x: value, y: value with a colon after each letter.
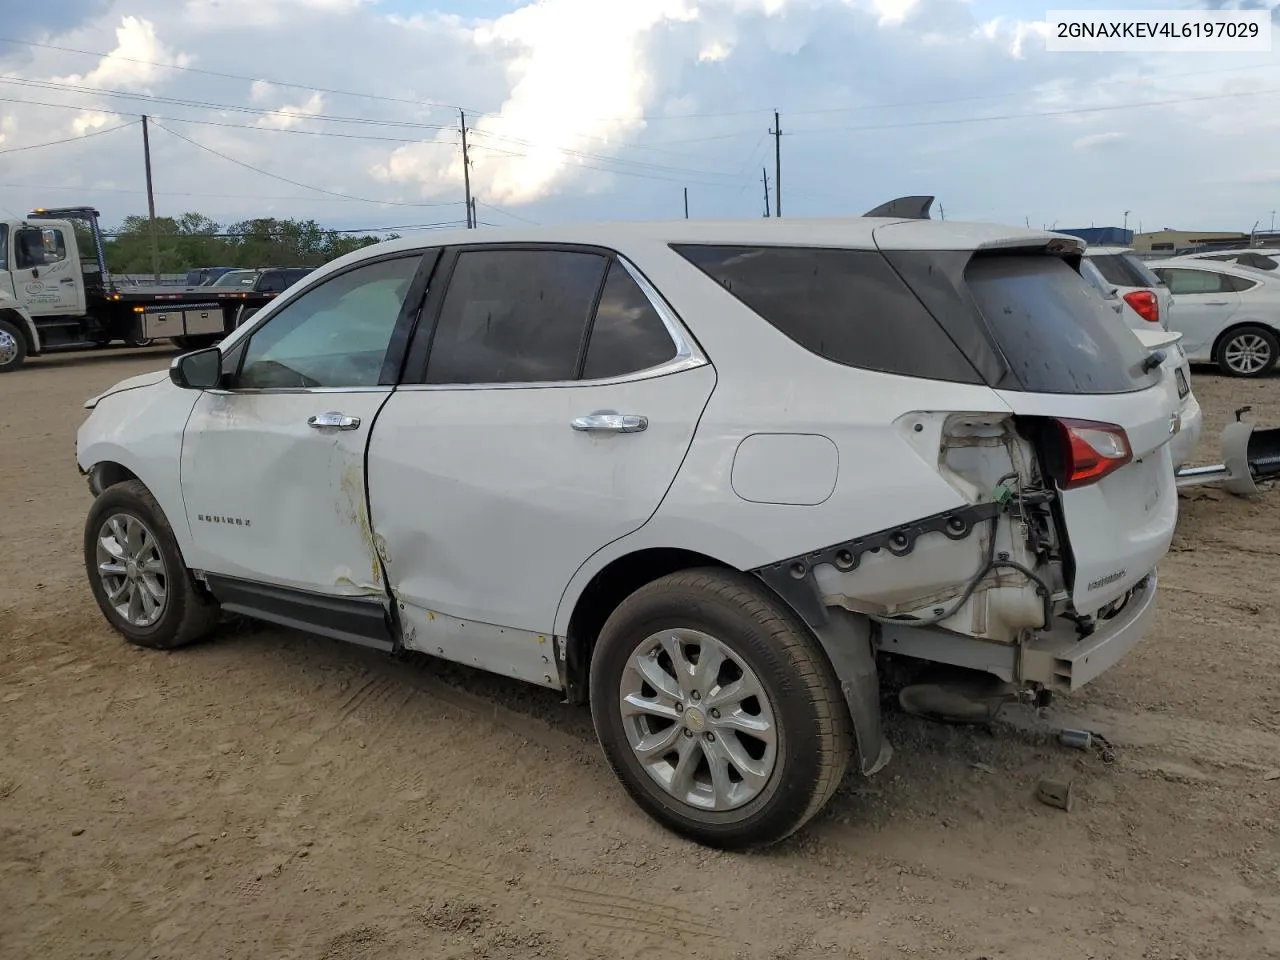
x: 699, y: 475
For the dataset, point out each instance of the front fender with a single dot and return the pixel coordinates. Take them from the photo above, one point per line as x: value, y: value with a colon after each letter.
x: 141, y: 430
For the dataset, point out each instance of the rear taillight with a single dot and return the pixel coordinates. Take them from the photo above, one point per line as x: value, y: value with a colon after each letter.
x: 1090, y: 451
x: 1144, y: 304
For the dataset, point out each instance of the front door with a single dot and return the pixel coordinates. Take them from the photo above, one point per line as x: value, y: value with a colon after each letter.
x: 273, y: 466
x: 45, y: 279
x: 1203, y: 304
x: 554, y: 410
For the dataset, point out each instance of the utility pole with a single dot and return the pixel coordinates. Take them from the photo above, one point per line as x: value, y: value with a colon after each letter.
x: 777, y: 165
x: 466, y: 170
x: 686, y: 203
x: 475, y: 217
x: 151, y: 202
x: 765, y: 180
x: 1273, y: 221
x: 942, y: 210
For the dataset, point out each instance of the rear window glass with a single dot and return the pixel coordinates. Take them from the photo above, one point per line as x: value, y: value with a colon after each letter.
x: 848, y: 306
x: 1055, y: 335
x: 1124, y: 270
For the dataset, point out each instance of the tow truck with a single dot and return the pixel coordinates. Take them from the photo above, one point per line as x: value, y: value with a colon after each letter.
x: 53, y: 299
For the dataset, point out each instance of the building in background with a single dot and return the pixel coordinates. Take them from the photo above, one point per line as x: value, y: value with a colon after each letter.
x: 1102, y: 236
x: 1171, y: 242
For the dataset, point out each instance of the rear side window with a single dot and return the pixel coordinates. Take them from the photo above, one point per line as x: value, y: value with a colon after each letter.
x: 1185, y: 282
x: 848, y: 306
x: 1054, y: 334
x: 627, y: 334
x: 1124, y: 270
x: 514, y: 316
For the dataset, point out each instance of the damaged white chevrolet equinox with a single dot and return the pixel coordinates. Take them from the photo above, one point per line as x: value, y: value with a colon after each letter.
x: 708, y: 477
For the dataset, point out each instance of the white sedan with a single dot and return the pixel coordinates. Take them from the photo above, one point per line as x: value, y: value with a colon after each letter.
x: 1227, y: 314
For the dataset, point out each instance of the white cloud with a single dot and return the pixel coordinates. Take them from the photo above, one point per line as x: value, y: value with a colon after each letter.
x: 291, y: 114
x: 130, y: 64
x: 1093, y: 141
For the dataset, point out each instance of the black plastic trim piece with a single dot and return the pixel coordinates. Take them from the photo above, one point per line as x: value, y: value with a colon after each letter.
x: 793, y: 578
x: 361, y: 620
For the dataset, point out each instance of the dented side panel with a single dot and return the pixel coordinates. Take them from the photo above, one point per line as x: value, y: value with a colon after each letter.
x: 272, y: 499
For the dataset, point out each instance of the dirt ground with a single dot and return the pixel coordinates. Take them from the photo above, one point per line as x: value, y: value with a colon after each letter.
x: 275, y: 795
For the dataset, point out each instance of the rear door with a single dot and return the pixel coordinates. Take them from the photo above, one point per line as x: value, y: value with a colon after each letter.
x: 1206, y: 302
x: 549, y: 398
x: 1074, y: 363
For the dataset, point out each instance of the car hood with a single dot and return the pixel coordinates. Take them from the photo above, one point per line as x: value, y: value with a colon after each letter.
x: 132, y: 383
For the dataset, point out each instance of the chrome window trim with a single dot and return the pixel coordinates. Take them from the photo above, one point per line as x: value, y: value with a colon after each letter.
x: 688, y: 356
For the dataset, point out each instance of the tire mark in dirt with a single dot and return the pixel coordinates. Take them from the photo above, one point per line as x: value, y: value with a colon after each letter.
x: 573, y: 906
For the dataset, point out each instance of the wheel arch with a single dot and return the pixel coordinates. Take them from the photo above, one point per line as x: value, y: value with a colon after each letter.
x: 844, y: 639
x: 1215, y: 353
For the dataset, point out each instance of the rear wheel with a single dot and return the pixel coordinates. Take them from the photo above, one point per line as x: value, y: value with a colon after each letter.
x: 13, y: 347
x: 244, y: 314
x: 717, y: 711
x: 1248, y: 352
x: 137, y: 574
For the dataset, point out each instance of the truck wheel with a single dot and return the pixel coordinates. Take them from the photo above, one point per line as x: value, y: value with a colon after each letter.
x: 244, y: 314
x: 717, y: 710
x: 136, y: 341
x: 1248, y: 352
x: 137, y: 573
x: 13, y: 347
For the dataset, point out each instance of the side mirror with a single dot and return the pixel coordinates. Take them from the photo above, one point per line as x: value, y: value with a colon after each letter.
x: 198, y: 370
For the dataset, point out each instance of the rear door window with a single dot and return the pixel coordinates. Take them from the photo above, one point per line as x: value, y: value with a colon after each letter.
x: 1055, y: 335
x: 515, y: 316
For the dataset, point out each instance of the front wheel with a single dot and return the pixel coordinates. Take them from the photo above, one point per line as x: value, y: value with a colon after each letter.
x: 717, y: 710
x: 137, y: 573
x: 13, y: 347
x: 1248, y: 352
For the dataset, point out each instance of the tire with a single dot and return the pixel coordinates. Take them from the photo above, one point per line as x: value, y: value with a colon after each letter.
x: 245, y: 314
x: 1249, y: 351
x: 801, y: 704
x: 139, y: 341
x: 13, y: 347
x: 185, y: 613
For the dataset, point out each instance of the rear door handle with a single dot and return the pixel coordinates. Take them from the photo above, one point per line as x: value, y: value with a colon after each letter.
x: 1215, y: 303
x: 68, y: 280
x: 610, y: 423
x: 333, y: 420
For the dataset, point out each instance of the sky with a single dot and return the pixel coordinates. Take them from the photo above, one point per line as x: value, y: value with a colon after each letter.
x: 347, y: 112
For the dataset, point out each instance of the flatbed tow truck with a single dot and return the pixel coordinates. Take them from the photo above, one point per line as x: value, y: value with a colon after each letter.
x: 52, y: 299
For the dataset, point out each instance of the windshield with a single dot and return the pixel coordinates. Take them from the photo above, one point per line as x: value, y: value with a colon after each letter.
x: 236, y: 278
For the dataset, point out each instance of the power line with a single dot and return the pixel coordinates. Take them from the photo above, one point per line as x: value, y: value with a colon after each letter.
x: 436, y: 104
x: 84, y: 188
x: 230, y: 76
x: 83, y: 136
x: 1076, y: 111
x: 207, y: 105
x: 275, y: 176
x: 514, y: 216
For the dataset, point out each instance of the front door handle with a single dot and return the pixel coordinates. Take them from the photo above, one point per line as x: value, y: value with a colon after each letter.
x: 68, y: 280
x: 610, y: 423
x: 333, y: 420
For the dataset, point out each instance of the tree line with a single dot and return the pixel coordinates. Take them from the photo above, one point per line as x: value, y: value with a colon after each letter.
x: 194, y: 240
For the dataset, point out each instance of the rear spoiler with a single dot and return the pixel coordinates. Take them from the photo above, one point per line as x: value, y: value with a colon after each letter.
x: 906, y: 208
x: 1249, y: 456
